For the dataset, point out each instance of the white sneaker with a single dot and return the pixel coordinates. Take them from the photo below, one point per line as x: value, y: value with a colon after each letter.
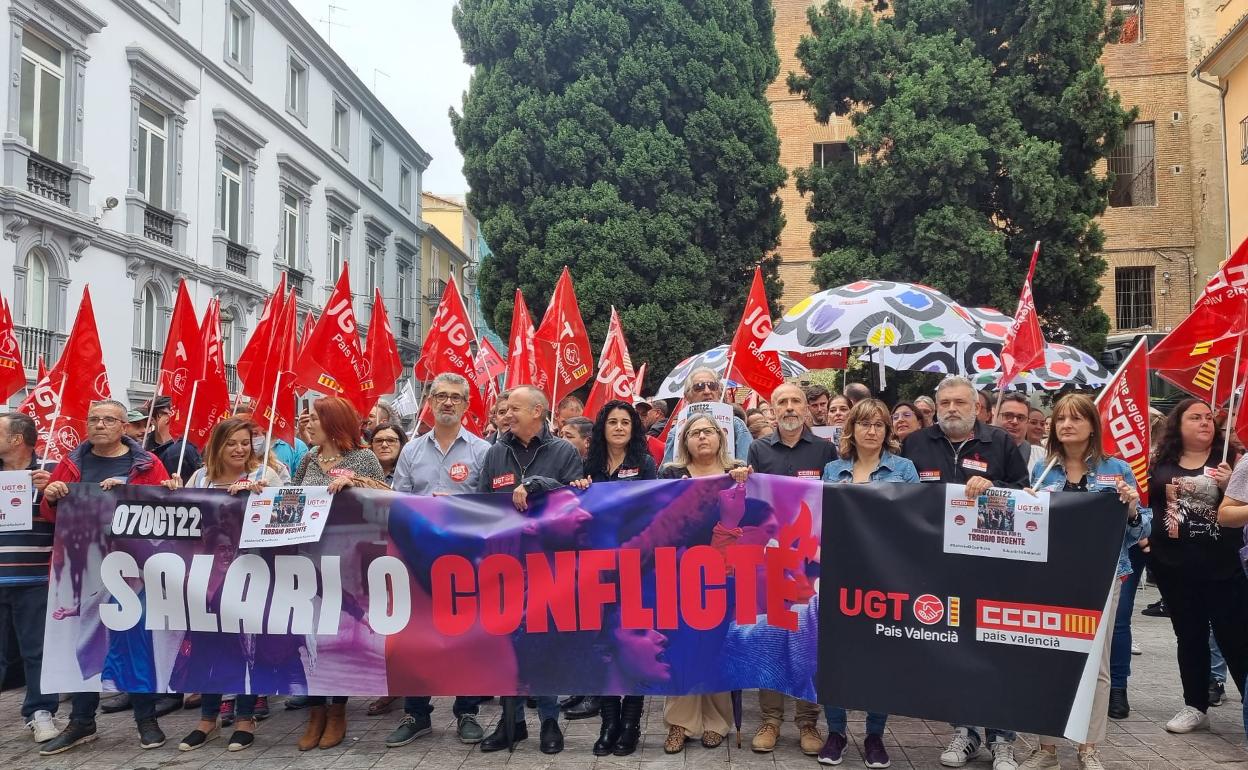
x: 1135, y: 650
x: 1040, y: 760
x: 962, y: 749
x: 1090, y: 760
x: 1003, y: 755
x: 42, y: 725
x: 1187, y: 720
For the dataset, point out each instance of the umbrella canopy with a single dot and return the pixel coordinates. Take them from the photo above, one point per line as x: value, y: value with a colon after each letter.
x: 874, y: 314
x: 715, y: 358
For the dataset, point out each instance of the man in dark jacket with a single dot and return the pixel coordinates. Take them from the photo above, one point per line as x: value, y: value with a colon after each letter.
x: 161, y: 442
x: 528, y: 460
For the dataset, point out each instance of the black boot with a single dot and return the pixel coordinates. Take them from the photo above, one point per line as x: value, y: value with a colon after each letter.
x: 586, y: 709
x: 630, y: 725
x: 1119, y: 708
x: 609, y: 735
x: 570, y: 701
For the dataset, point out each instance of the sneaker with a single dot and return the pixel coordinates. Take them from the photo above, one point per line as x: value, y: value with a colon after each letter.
x: 1003, y: 755
x: 409, y: 730
x: 1040, y: 760
x: 1187, y: 720
x: 873, y: 753
x: 833, y: 750
x: 1090, y: 760
x: 74, y: 734
x: 1157, y: 609
x: 1136, y: 649
x: 766, y: 737
x: 227, y: 713
x: 262, y: 707
x: 150, y: 735
x: 962, y: 749
x: 1217, y: 693
x: 43, y: 726
x: 810, y: 739
x: 468, y: 729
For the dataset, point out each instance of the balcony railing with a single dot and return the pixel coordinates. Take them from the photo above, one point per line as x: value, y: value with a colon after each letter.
x: 158, y: 226
x: 231, y: 376
x: 146, y: 365
x: 295, y: 278
x: 434, y: 290
x: 38, y: 342
x: 47, y: 178
x: 236, y: 258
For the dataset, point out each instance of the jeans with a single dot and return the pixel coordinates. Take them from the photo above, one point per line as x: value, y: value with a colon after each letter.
x: 837, y: 721
x: 210, y: 706
x: 1120, y: 643
x: 1217, y: 663
x: 420, y: 706
x: 547, y: 707
x: 993, y: 734
x: 24, y: 608
x: 84, y: 704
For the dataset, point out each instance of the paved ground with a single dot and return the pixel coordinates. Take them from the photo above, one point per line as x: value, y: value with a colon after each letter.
x: 1139, y: 742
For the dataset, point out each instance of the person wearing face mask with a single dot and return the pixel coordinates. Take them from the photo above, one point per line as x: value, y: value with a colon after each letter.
x: 791, y: 451
x: 288, y: 457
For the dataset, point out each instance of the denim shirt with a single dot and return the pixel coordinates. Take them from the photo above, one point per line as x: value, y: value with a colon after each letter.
x: 1103, y: 478
x: 891, y: 468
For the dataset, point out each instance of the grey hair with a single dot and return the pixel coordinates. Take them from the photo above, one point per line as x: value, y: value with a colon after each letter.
x: 539, y: 398
x: 953, y: 381
x: 110, y: 402
x: 681, y: 455
x: 696, y: 371
x: 450, y: 378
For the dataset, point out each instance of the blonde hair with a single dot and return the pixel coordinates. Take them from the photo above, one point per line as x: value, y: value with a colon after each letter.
x: 861, y: 411
x: 682, y: 458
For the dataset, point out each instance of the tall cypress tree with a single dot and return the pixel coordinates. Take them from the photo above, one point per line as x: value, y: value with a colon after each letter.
x: 979, y: 127
x: 632, y: 141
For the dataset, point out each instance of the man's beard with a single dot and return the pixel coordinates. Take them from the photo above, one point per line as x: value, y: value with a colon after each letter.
x: 956, y: 424
x: 447, y: 420
x: 791, y: 423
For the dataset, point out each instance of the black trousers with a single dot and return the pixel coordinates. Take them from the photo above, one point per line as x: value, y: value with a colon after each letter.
x: 1196, y: 605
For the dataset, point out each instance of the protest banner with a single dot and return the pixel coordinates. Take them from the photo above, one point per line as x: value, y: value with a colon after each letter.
x: 646, y: 587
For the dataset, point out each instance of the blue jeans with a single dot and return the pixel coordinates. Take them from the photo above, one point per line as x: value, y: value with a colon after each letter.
x: 837, y: 721
x: 210, y: 706
x: 993, y: 734
x: 547, y: 707
x: 24, y: 608
x: 1120, y: 643
x: 84, y: 704
x: 420, y: 706
x: 1217, y: 663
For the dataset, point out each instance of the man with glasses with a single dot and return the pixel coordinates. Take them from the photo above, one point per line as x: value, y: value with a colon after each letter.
x: 109, y: 457
x: 444, y: 461
x: 703, y: 384
x: 1012, y: 412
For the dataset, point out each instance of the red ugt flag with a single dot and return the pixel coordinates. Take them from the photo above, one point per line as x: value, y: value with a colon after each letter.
x: 563, y: 351
x: 522, y: 358
x: 757, y: 368
x: 1124, y: 416
x: 489, y: 363
x: 1216, y: 322
x: 382, y: 354
x: 447, y: 349
x: 332, y: 361
x: 1024, y: 342
x: 615, y: 379
x: 212, y: 391
x: 276, y: 402
x: 12, y: 375
x: 182, y: 357
x: 255, y: 354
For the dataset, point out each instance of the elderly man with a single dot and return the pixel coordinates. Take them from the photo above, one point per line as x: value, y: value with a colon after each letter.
x: 1011, y: 416
x: 656, y: 418
x: 445, y: 461
x: 961, y: 449
x: 569, y: 407
x: 109, y: 458
x: 791, y: 451
x: 703, y: 384
x: 528, y: 460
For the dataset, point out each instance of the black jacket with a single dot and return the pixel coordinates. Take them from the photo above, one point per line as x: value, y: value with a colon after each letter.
x: 554, y: 464
x: 989, y: 452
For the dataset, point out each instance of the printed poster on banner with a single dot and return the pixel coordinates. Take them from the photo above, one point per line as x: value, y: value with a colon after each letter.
x: 16, y: 497
x: 280, y: 516
x: 999, y: 524
x: 830, y: 433
x: 717, y: 410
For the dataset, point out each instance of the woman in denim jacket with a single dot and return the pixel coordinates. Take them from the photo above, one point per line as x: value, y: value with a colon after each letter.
x: 865, y: 458
x: 1080, y: 465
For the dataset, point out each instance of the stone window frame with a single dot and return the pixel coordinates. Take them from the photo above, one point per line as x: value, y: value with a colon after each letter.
x: 239, y: 140
x: 149, y: 276
x: 296, y: 179
x: 300, y: 110
x: 376, y: 140
x: 66, y: 24
x: 376, y: 233
x: 56, y: 261
x: 171, y: 7
x: 343, y: 147
x: 339, y: 210
x: 407, y: 257
x: 405, y: 187
x: 169, y: 93
x: 245, y: 66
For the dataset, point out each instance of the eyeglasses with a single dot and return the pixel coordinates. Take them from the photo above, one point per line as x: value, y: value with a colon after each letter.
x: 454, y: 398
x: 902, y: 415
x: 385, y: 441
x: 870, y: 426
x: 698, y: 387
x: 700, y: 432
x: 1014, y: 417
x: 108, y: 422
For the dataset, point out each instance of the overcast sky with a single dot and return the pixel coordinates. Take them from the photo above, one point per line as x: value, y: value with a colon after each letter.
x: 414, y: 44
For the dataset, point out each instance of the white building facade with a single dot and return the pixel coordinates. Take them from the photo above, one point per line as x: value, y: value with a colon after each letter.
x: 220, y: 141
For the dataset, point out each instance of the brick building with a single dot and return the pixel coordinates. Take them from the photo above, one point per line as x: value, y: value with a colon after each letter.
x: 1165, y: 227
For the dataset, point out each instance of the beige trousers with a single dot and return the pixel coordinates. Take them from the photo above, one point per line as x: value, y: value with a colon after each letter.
x: 699, y: 713
x: 1098, y: 725
x: 771, y: 703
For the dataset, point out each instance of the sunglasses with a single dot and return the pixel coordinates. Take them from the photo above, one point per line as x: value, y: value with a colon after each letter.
x: 698, y: 387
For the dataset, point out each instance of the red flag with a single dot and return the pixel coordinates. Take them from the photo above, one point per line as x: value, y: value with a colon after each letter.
x: 331, y: 360
x: 489, y: 363
x: 1218, y: 318
x: 756, y: 368
x: 276, y: 401
x: 833, y: 358
x: 1024, y: 342
x: 563, y: 351
x: 522, y: 358
x: 309, y: 322
x: 1211, y: 382
x: 447, y: 349
x: 1123, y: 405
x: 42, y: 371
x: 256, y: 353
x: 212, y: 390
x: 639, y: 382
x: 1241, y: 418
x: 77, y: 379
x: 615, y: 378
x: 12, y: 375
x: 751, y: 401
x: 382, y: 354
x: 182, y: 357
x: 671, y: 422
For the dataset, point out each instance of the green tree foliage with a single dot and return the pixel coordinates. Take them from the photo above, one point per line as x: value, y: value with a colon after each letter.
x: 631, y: 141
x: 979, y: 126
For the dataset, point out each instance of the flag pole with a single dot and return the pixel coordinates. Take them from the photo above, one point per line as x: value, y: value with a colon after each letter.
x: 190, y: 415
x: 723, y: 392
x: 554, y: 386
x: 1230, y: 415
x: 55, y: 416
x: 151, y: 412
x: 268, y: 436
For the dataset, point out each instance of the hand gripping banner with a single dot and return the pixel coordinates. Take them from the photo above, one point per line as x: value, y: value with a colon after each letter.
x: 663, y: 587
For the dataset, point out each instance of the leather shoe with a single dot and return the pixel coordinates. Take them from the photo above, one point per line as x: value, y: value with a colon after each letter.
x: 570, y: 701
x: 589, y: 707
x: 552, y: 738
x: 497, y: 740
x: 1119, y: 707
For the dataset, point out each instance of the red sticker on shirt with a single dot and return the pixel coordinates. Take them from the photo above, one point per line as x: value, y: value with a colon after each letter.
x: 341, y: 472
x: 628, y: 473
x: 975, y: 465
x: 458, y: 472
x: 506, y: 480
x: 808, y: 474
x: 929, y: 475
